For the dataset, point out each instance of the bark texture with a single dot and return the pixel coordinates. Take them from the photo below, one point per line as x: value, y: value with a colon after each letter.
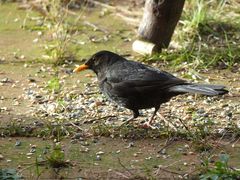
x: 159, y: 21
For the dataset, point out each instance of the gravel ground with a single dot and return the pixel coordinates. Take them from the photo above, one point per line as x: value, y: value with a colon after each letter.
x: 70, y: 103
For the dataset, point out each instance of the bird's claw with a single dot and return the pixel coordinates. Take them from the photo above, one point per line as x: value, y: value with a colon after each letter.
x: 147, y: 125
x: 126, y: 122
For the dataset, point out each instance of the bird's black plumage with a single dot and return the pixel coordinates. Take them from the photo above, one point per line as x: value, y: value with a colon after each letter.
x: 137, y: 86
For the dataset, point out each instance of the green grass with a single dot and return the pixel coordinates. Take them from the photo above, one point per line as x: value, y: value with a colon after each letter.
x: 205, y: 37
x: 68, y: 38
x: 221, y: 170
x: 14, y: 39
x: 9, y: 174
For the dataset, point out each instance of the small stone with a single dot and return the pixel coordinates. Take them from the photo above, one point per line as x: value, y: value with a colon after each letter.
x: 165, y: 156
x: 9, y: 160
x: 84, y: 150
x: 32, y: 150
x: 131, y: 144
x: 22, y: 57
x: 31, y: 80
x: 185, y: 163
x: 100, y: 153
x: 77, y: 135
x: 16, y: 103
x: 5, y: 80
x: 229, y: 114
x: 180, y: 149
x: 95, y: 140
x: 148, y: 158
x: 1, y: 157
x: 39, y: 33
x: 29, y: 154
x: 2, y: 58
x: 224, y: 105
x: 98, y: 158
x: 84, y: 143
x: 200, y: 111
x: 18, y: 143
x: 33, y: 146
x: 73, y: 141
x: 163, y: 151
x: 35, y: 40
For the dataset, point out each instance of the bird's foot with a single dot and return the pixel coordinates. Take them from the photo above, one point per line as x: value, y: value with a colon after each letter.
x: 126, y: 122
x: 147, y: 125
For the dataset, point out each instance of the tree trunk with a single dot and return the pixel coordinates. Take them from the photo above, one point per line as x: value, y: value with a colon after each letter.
x: 159, y: 21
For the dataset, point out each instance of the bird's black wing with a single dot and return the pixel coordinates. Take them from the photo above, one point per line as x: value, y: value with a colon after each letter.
x: 132, y: 79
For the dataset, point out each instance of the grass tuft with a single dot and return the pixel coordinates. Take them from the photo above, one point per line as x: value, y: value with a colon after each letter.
x: 205, y: 37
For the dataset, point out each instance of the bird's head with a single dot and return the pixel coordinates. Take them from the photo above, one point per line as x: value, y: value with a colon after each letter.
x: 99, y: 62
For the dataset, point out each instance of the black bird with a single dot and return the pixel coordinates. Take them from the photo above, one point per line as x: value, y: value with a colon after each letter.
x: 137, y: 86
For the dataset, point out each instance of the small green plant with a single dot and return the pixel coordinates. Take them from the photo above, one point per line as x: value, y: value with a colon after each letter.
x: 57, y: 130
x: 14, y: 129
x: 54, y: 85
x: 9, y: 174
x: 204, y: 38
x: 202, y: 127
x: 102, y: 130
x: 57, y: 48
x: 56, y: 159
x: 221, y: 170
x: 55, y: 31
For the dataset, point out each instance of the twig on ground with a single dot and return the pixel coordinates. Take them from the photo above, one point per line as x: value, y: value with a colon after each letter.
x: 95, y: 27
x: 167, y: 143
x: 122, y: 175
x: 170, y: 124
x: 130, y: 20
x: 184, y: 125
x: 118, y: 9
x: 76, y: 126
x: 95, y: 119
x: 167, y: 170
x: 133, y: 18
x: 124, y: 167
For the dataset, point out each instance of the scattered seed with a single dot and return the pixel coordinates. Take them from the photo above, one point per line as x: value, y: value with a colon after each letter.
x: 100, y: 153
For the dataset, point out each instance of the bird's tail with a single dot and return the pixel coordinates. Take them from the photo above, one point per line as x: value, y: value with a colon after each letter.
x: 205, y: 89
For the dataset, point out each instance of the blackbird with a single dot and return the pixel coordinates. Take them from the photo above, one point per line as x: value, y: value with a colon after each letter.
x: 137, y: 86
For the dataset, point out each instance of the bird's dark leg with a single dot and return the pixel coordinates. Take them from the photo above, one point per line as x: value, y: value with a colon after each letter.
x: 135, y: 115
x: 148, y: 124
x: 154, y: 114
x: 167, y: 122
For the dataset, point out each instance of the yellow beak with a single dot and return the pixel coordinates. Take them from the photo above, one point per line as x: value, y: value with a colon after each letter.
x: 81, y: 68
